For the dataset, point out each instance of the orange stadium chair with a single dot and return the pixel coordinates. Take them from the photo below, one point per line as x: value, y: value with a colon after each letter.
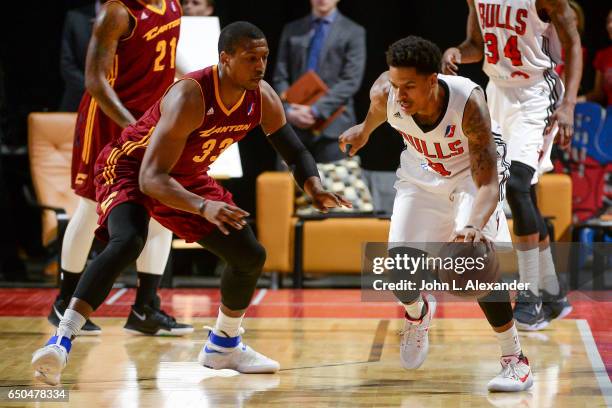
x: 334, y: 245
x: 50, y: 138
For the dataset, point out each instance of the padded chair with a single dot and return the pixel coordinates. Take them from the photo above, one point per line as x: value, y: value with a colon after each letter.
x: 50, y: 140
x: 589, y: 138
x: 334, y: 245
x: 50, y: 137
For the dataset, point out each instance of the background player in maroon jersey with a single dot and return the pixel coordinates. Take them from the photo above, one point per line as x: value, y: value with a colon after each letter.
x: 521, y: 41
x: 185, y: 131
x: 130, y: 63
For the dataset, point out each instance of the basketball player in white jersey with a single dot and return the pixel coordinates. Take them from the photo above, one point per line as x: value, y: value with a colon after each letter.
x: 521, y: 41
x: 447, y: 186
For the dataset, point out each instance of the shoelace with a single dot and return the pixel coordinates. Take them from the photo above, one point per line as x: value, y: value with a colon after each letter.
x: 240, y: 330
x: 415, y: 332
x: 511, y: 371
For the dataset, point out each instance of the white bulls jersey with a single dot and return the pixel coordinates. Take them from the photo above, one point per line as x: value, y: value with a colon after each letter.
x: 519, y: 48
x: 435, y: 190
x: 432, y: 156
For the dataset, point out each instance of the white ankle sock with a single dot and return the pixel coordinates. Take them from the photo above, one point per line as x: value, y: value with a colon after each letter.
x: 509, y: 342
x: 528, y: 268
x: 227, y: 326
x: 548, y: 277
x: 415, y: 309
x: 71, y: 324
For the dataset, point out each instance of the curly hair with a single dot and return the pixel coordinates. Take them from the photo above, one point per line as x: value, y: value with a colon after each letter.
x: 415, y: 52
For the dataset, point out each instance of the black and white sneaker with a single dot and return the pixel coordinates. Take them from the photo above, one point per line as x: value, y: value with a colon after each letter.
x: 154, y: 322
x: 57, y: 312
x: 528, y: 311
x: 555, y: 306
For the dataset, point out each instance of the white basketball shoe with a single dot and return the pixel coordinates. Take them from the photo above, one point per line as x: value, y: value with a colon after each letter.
x: 414, y: 343
x: 229, y: 352
x: 514, y: 376
x: 49, y: 361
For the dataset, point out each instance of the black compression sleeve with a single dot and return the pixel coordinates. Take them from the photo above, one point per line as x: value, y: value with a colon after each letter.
x: 295, y: 154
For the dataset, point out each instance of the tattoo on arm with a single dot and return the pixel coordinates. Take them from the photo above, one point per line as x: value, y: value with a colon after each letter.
x: 477, y: 127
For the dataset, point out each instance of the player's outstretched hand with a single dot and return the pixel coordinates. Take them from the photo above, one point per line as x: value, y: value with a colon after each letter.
x: 323, y: 200
x: 450, y: 59
x: 564, y: 117
x: 354, y: 137
x: 222, y: 215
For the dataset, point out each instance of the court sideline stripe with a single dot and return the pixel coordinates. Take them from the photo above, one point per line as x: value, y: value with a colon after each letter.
x: 116, y: 296
x: 599, y: 369
x: 375, y: 350
x: 379, y: 341
x: 259, y: 297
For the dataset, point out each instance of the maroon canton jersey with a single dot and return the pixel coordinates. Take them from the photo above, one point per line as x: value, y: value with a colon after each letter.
x: 143, y: 68
x: 119, y: 163
x: 144, y: 64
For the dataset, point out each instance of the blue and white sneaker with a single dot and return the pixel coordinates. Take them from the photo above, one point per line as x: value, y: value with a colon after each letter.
x: 49, y: 361
x: 229, y: 352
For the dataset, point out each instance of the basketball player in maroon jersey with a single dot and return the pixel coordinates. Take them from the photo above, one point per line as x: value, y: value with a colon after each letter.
x: 130, y: 63
x: 158, y: 168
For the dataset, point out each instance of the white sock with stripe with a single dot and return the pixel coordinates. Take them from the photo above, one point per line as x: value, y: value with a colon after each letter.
x: 415, y: 309
x: 548, y: 277
x: 71, y: 324
x: 509, y: 342
x: 528, y: 268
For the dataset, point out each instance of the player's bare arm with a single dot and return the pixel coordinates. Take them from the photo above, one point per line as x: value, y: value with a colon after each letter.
x: 470, y: 50
x: 182, y: 111
x: 358, y: 135
x: 483, y: 163
x: 112, y: 24
x: 285, y: 141
x: 564, y: 20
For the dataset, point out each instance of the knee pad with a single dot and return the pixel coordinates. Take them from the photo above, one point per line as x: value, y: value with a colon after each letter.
x: 541, y: 222
x: 239, y: 280
x: 497, y: 308
x: 130, y: 245
x: 518, y: 191
x: 250, y: 258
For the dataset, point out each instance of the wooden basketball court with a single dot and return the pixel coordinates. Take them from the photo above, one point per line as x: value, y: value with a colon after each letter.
x: 333, y: 350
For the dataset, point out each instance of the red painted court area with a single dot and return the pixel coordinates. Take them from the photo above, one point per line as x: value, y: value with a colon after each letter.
x: 321, y: 303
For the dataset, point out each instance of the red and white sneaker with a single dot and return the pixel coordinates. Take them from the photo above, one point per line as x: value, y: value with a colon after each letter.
x: 514, y: 376
x: 414, y: 343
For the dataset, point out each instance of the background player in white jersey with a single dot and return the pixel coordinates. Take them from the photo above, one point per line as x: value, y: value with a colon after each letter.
x: 447, y: 186
x: 525, y: 97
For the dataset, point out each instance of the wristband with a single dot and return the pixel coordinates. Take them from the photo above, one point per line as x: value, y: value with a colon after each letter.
x: 202, y: 207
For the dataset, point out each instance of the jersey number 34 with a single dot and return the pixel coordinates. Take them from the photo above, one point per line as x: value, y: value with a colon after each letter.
x: 511, y: 50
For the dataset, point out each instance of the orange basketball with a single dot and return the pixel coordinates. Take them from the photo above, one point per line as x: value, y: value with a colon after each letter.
x: 467, y: 268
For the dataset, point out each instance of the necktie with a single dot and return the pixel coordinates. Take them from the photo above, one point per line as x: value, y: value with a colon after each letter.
x: 316, y: 44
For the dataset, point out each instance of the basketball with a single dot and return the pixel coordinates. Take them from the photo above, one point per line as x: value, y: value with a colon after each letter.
x: 468, y: 267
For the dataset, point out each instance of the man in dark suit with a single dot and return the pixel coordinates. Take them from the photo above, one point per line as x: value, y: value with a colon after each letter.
x: 75, y: 38
x: 334, y: 47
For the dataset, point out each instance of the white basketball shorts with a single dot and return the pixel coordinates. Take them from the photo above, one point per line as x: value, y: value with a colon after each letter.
x: 522, y: 113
